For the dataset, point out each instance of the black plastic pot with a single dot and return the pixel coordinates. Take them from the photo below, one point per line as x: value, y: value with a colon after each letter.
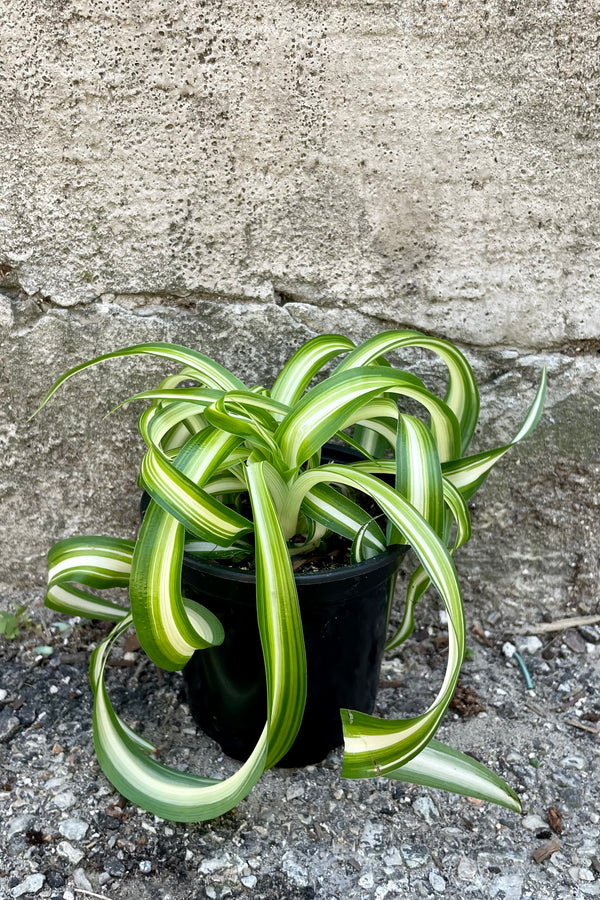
x: 343, y: 616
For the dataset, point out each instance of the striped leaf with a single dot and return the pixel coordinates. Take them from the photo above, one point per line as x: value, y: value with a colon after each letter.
x: 468, y: 474
x: 160, y: 618
x: 462, y: 395
x: 375, y: 746
x: 418, y: 471
x: 330, y: 405
x: 338, y: 513
x: 209, y: 372
x: 439, y: 766
x: 168, y: 793
x: 279, y: 620
x: 419, y: 581
x: 95, y: 561
x: 297, y: 374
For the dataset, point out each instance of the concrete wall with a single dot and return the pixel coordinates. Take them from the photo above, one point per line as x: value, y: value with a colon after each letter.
x: 238, y: 176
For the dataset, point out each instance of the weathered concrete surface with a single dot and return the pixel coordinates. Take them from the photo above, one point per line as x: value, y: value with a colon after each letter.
x: 436, y: 163
x: 69, y: 471
x: 238, y: 176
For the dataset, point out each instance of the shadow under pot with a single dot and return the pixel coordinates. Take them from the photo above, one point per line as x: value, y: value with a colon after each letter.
x: 343, y: 617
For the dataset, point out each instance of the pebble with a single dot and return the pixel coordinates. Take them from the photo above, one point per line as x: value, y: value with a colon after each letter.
x: 574, y: 762
x: 393, y: 858
x: 9, y: 725
x: 145, y: 867
x: 533, y: 822
x: 67, y: 851
x: 529, y: 644
x: 467, y: 869
x: 295, y: 792
x: 31, y: 885
x: 507, y: 886
x: 508, y: 649
x: 586, y: 875
x: 64, y: 800
x: 249, y: 881
x: 81, y: 880
x: 426, y: 808
x: 590, y: 634
x: 294, y: 871
x: 372, y: 834
x: 214, y: 864
x: 54, y: 879
x: 367, y: 881
x: 19, y: 824
x: 415, y: 855
x: 437, y: 882
x: 3, y: 695
x: 73, y: 829
x: 114, y: 867
x: 575, y: 642
x: 390, y: 889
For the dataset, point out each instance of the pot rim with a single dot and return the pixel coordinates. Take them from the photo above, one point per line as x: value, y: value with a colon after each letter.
x: 389, y: 559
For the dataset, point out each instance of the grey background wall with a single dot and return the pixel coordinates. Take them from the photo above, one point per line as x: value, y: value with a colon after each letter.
x: 238, y: 176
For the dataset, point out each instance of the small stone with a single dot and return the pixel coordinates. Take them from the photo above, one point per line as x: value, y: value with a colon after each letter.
x: 145, y: 867
x: 214, y: 864
x: 508, y: 649
x: 9, y: 725
x: 367, y: 881
x: 426, y: 808
x: 574, y: 762
x: 415, y: 855
x: 590, y: 634
x: 19, y: 824
x: 3, y: 695
x: 506, y: 886
x: 586, y: 875
x: 103, y: 878
x: 295, y: 792
x: 574, y: 642
x: 389, y: 889
x: 27, y: 714
x: 529, y: 644
x: 31, y: 885
x: 437, y: 882
x: 81, y: 880
x: 249, y: 881
x: 114, y: 867
x: 67, y: 851
x: 372, y: 834
x: 73, y: 829
x: 64, y: 800
x: 294, y: 870
x: 393, y: 858
x: 467, y: 869
x: 54, y: 879
x: 533, y: 822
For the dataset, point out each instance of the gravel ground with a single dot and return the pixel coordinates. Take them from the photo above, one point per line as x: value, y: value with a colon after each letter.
x: 65, y: 833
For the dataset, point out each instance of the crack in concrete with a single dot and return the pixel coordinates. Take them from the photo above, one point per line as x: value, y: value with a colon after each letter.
x: 139, y: 303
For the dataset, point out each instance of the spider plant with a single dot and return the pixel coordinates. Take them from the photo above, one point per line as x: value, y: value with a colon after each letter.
x: 234, y: 471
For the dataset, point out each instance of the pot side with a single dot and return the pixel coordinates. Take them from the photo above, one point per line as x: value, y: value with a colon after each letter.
x: 343, y: 617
